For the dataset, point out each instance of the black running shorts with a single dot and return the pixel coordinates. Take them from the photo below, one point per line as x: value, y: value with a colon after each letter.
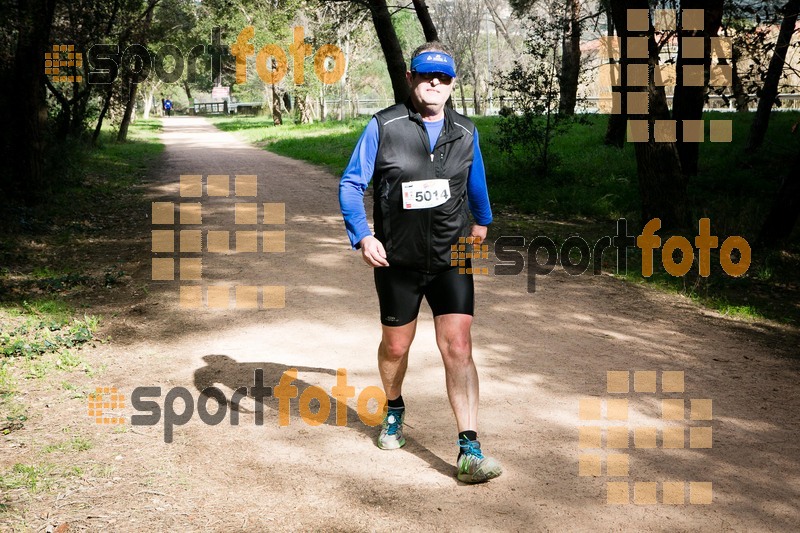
x: 400, y: 293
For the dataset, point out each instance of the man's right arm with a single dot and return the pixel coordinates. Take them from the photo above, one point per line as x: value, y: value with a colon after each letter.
x: 354, y: 182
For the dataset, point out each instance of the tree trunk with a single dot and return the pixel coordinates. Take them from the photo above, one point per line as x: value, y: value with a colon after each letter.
x: 148, y: 104
x: 428, y: 27
x: 570, y: 59
x: 28, y: 112
x: 392, y: 51
x: 662, y: 185
x: 769, y: 92
x: 500, y: 25
x: 103, y: 111
x: 689, y: 100
x: 277, y: 118
x: 78, y: 127
x: 615, y: 131
x: 740, y: 97
x: 133, y: 80
x: 785, y: 209
x: 133, y: 85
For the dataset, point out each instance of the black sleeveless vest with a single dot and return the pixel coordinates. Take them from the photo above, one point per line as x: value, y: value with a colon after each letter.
x: 420, y: 239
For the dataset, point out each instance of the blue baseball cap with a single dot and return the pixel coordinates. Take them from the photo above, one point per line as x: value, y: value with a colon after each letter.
x: 434, y: 61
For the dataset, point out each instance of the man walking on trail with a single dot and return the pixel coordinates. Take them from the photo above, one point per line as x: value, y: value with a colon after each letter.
x: 427, y: 170
x: 168, y: 106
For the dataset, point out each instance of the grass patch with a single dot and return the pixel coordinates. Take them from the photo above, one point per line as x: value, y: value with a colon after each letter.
x: 35, y: 332
x: 35, y: 478
x: 594, y: 185
x: 58, y: 255
x: 325, y: 143
x: 75, y: 444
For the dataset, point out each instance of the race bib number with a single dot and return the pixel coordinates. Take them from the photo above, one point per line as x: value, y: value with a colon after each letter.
x: 425, y: 193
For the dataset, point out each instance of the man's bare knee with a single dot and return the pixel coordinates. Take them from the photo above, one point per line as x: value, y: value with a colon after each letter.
x: 394, y: 350
x: 457, y: 349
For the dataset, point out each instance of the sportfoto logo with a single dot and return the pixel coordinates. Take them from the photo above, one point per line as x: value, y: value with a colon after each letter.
x: 605, y: 431
x: 104, y: 61
x: 141, y: 400
x: 509, y: 250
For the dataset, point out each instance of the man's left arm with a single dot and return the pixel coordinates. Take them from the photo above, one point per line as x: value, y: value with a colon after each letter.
x: 477, y: 193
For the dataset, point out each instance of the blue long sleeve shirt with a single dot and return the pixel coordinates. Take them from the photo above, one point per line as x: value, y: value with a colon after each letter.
x: 359, y: 171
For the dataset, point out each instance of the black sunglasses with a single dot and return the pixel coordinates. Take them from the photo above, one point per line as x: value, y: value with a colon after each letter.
x: 441, y: 76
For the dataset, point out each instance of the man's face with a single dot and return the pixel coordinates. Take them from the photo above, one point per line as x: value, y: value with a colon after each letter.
x: 430, y: 90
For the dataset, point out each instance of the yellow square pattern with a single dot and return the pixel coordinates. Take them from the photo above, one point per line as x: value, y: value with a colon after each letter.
x: 163, y: 241
x: 589, y: 465
x: 700, y: 437
x: 191, y: 268
x: 218, y: 185
x: 638, y: 20
x: 218, y: 296
x: 693, y: 131
x: 644, y: 493
x: 672, y: 409
x: 246, y: 297
x: 644, y: 381
x: 590, y: 409
x: 589, y: 437
x: 191, y: 185
x: 246, y: 185
x: 163, y: 269
x: 274, y: 213
x: 672, y: 381
x: 273, y: 297
x: 617, y: 437
x: 617, y: 381
x: 163, y: 213
x: 672, y: 493
x: 673, y: 437
x: 246, y: 213
x: 191, y: 240
x: 700, y: 493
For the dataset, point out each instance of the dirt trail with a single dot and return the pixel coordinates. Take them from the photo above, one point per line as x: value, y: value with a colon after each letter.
x: 538, y: 356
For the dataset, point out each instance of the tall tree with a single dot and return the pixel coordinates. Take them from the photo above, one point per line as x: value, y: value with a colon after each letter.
x: 568, y: 14
x: 615, y: 130
x: 428, y: 27
x: 785, y: 209
x: 570, y: 58
x: 131, y: 80
x: 34, y: 19
x: 769, y: 92
x: 689, y: 100
x: 662, y: 185
x: 390, y: 44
